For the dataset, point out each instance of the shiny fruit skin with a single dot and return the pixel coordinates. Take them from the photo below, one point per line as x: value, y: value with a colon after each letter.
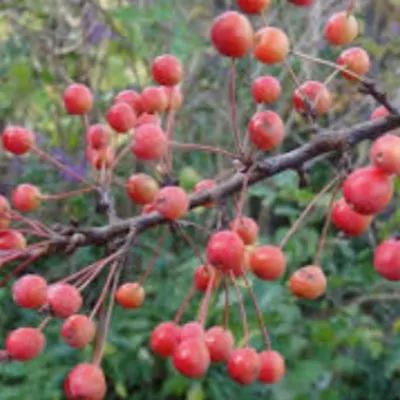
x: 341, y: 29
x: 368, y: 190
x: 232, y: 34
x: 266, y: 89
x: 11, y: 239
x: 30, y: 291
x: 253, y: 6
x: 165, y: 338
x: 271, y: 45
x: 78, y: 99
x: 17, y: 140
x: 154, y: 100
x: 190, y: 330
x: 172, y: 202
x: 202, y: 278
x: 244, y: 366
x: 97, y: 136
x: 225, y: 251
x: 132, y: 98
x: 220, y: 343
x: 268, y: 262
x: 103, y: 158
x: 387, y: 259
x: 121, y: 117
x: 355, y: 60
x: 130, y: 295
x: 146, y: 118
x: 347, y: 220
x: 26, y: 197
x: 385, y: 154
x: 246, y: 228
x: 266, y: 130
x: 167, y: 70
x: 272, y: 367
x: 317, y: 94
x: 24, y: 344
x: 85, y: 382
x: 149, y: 142
x: 78, y: 331
x: 308, y: 282
x: 380, y: 112
x: 206, y: 184
x: 142, y: 188
x: 64, y: 299
x: 191, y: 358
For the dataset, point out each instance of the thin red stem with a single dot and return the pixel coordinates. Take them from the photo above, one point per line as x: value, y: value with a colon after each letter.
x: 246, y: 336
x: 191, y: 292
x: 205, y: 147
x: 226, y: 305
x: 60, y: 196
x: 206, y: 299
x: 263, y: 328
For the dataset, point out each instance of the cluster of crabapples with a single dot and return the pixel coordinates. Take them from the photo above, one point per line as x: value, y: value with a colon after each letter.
x: 232, y: 252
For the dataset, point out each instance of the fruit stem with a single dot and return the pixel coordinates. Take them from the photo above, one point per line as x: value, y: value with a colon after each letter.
x: 232, y: 102
x: 263, y: 328
x: 327, y: 223
x: 43, y: 324
x: 306, y: 211
x: 192, y: 245
x: 350, y: 7
x: 105, y: 289
x: 60, y: 196
x: 35, y: 225
x: 191, y: 292
x: 211, y: 149
x: 246, y: 336
x: 243, y: 192
x: 340, y: 68
x: 206, y: 299
x: 153, y: 261
x: 99, y: 354
x: 226, y: 305
x: 61, y: 166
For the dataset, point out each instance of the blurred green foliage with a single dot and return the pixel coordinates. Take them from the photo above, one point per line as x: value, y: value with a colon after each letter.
x: 345, y: 346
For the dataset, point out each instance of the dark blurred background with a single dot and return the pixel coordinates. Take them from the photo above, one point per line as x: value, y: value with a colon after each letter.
x: 345, y: 346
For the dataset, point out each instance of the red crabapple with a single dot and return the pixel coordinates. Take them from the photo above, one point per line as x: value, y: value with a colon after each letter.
x: 24, y: 344
x: 341, y: 29
x: 202, y: 278
x: 308, y: 282
x: 11, y: 240
x: 266, y: 130
x: 244, y: 365
x: 26, y: 197
x: 146, y: 118
x: 220, y: 343
x: 154, y: 99
x: 349, y: 221
x: 355, y: 60
x: 232, y: 34
x: 142, y: 188
x: 103, y: 158
x: 301, y: 3
x: 132, y: 98
x: 78, y: 331
x: 385, y: 154
x: 174, y: 97
x: 78, y: 99
x: 204, y: 185
x: 85, y: 382
x: 64, y: 299
x: 17, y: 140
x: 191, y: 330
x: 130, y: 295
x: 149, y: 142
x: 121, y: 117
x: 30, y: 291
x: 266, y: 89
x: 387, y: 259
x: 272, y: 367
x: 172, y: 202
x: 316, y: 93
x: 167, y: 70
x: 368, y: 190
x: 253, y: 6
x: 97, y: 136
x: 271, y: 45
x: 191, y: 358
x: 4, y: 213
x: 268, y: 262
x: 380, y: 112
x: 226, y: 251
x: 246, y: 228
x: 165, y: 338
